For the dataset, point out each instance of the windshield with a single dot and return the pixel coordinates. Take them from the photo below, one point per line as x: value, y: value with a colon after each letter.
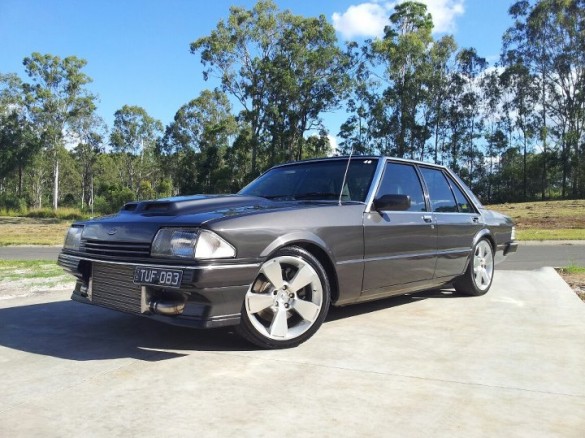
x: 319, y: 180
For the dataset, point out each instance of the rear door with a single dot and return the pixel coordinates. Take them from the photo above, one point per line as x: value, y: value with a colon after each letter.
x: 400, y: 246
x: 456, y: 219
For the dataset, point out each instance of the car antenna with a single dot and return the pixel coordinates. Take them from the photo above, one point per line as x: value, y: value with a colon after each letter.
x: 345, y: 175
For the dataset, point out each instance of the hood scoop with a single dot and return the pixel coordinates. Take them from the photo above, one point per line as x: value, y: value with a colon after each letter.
x: 189, y: 204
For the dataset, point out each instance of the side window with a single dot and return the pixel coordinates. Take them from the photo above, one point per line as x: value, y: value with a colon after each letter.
x: 442, y: 199
x: 402, y: 179
x: 462, y: 201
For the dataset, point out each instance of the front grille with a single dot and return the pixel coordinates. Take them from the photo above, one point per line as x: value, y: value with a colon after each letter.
x: 112, y: 287
x: 118, y: 249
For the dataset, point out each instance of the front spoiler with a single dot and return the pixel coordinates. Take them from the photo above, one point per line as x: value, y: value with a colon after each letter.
x: 212, y: 296
x: 192, y: 321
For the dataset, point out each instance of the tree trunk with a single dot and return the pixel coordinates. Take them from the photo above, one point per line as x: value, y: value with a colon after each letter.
x: 544, y: 135
x: 56, y: 184
x: 524, y: 177
x: 19, y: 180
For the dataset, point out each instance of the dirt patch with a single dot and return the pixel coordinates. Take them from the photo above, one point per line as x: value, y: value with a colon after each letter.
x: 575, y: 281
x: 546, y: 214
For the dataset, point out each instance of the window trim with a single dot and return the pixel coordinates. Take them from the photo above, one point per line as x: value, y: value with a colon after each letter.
x: 421, y: 181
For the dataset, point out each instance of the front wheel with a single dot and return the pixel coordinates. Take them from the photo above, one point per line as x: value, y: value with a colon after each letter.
x: 287, y: 302
x: 479, y: 275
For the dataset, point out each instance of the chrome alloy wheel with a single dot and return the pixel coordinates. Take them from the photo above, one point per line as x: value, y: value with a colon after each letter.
x: 286, y: 298
x: 483, y: 265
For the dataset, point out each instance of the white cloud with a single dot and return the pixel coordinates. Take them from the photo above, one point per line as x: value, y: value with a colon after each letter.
x: 444, y: 13
x: 368, y: 19
x: 363, y: 20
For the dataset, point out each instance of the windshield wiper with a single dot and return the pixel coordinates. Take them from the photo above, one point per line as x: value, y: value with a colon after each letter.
x: 287, y: 196
x: 316, y: 195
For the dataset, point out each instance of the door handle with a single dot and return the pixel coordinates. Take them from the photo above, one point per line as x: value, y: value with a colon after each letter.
x: 475, y: 219
x: 428, y: 218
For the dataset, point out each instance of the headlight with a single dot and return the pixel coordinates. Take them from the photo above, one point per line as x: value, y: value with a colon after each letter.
x: 513, y: 236
x: 211, y: 246
x: 191, y: 244
x: 73, y: 238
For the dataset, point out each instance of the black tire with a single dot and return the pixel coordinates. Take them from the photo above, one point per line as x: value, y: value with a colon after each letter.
x: 479, y: 274
x: 277, y: 312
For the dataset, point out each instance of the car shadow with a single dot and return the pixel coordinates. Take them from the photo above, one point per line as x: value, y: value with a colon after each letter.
x: 336, y: 313
x: 78, y: 332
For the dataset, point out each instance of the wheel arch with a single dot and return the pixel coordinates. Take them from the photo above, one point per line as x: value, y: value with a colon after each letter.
x: 316, y: 247
x: 482, y: 234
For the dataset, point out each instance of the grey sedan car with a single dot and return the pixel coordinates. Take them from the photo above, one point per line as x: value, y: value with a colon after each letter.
x: 303, y: 236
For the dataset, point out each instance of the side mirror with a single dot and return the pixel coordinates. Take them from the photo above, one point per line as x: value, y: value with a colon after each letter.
x: 392, y: 203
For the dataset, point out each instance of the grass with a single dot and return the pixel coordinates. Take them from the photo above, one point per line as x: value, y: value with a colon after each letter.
x: 30, y: 269
x: 70, y: 214
x: 547, y: 220
x: 559, y: 234
x: 574, y: 276
x: 32, y: 231
x: 574, y: 270
x: 63, y: 213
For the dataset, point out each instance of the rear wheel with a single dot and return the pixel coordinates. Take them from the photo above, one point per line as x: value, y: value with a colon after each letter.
x: 287, y: 302
x: 479, y: 275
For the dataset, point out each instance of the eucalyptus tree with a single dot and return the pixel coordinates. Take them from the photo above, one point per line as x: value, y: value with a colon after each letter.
x: 441, y: 66
x: 522, y: 111
x: 19, y: 141
x: 284, y: 70
x: 134, y: 137
x: 366, y: 130
x: 196, y: 140
x: 92, y: 133
x: 309, y: 75
x: 470, y: 67
x: 547, y: 38
x: 403, y: 51
x: 57, y: 97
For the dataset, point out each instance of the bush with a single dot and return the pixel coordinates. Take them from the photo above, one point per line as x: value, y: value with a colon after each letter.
x: 101, y: 205
x: 12, y: 205
x: 112, y: 200
x: 61, y: 213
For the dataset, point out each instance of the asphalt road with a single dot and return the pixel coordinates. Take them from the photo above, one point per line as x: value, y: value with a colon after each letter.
x: 530, y: 255
x: 509, y: 363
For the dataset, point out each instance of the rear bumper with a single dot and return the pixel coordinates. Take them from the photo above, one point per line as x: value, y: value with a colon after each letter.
x: 210, y: 296
x: 510, y: 247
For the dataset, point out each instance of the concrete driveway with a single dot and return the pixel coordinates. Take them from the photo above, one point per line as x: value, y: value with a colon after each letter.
x: 510, y: 363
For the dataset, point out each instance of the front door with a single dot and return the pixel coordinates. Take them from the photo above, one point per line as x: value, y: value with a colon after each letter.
x: 400, y: 246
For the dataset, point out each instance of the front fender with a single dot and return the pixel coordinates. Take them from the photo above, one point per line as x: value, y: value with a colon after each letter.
x: 295, y: 237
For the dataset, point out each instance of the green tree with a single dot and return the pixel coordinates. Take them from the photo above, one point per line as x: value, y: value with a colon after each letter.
x: 134, y: 136
x: 309, y: 76
x: 198, y: 138
x: 57, y: 98
x: 404, y: 51
x: 284, y: 70
x: 521, y: 110
x: 19, y: 141
x: 547, y: 39
x: 19, y: 144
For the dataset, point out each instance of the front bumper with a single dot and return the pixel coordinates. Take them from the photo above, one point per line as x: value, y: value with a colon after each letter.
x: 209, y: 296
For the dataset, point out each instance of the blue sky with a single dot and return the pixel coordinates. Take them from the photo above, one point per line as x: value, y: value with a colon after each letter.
x: 138, y: 50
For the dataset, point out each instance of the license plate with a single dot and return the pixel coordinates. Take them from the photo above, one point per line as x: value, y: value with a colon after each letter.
x: 158, y: 276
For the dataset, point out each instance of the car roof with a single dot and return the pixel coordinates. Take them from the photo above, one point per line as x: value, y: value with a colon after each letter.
x: 361, y: 157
